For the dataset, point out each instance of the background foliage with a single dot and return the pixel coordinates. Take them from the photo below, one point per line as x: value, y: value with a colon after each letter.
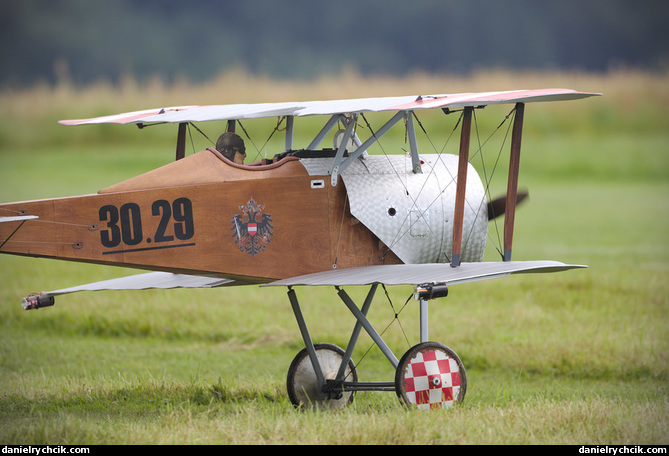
x: 88, y: 41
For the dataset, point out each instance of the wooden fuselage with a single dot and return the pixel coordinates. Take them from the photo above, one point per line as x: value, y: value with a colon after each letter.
x: 203, y: 215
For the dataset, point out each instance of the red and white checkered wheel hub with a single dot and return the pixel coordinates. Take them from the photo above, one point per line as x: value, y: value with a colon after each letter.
x: 431, y: 376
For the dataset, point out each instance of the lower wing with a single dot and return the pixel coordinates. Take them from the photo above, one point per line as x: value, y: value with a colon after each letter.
x: 417, y: 274
x: 396, y: 274
x: 157, y: 280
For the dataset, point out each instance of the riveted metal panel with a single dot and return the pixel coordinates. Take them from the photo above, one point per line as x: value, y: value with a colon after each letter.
x: 412, y: 213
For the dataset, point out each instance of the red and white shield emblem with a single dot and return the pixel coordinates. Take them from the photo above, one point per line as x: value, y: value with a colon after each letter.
x: 252, y: 229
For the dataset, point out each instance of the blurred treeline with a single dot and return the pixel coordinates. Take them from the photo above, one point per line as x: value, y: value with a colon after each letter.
x: 85, y: 41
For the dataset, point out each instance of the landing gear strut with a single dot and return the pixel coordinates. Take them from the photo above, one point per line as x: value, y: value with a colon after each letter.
x: 429, y: 375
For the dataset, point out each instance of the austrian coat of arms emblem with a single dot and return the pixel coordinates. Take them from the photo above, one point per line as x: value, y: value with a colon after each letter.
x: 252, y: 229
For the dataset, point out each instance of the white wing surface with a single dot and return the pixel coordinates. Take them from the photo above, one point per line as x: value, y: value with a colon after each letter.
x: 417, y: 274
x: 183, y: 114
x: 158, y: 280
x: 396, y: 274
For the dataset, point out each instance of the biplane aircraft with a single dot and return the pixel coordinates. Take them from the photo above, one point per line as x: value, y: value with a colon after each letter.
x: 413, y: 218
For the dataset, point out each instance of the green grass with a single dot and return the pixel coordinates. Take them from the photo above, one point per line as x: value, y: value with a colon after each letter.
x: 578, y: 357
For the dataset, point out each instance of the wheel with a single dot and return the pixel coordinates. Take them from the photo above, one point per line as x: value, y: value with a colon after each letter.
x: 429, y: 376
x: 302, y: 385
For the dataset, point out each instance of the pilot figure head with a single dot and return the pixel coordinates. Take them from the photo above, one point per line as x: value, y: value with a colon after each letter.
x: 232, y: 147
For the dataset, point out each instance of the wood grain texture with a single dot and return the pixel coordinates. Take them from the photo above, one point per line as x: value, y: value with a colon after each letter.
x: 190, y: 217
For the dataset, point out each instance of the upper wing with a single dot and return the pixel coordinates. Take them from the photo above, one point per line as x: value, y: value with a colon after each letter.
x: 183, y: 114
x: 417, y: 274
x: 126, y: 117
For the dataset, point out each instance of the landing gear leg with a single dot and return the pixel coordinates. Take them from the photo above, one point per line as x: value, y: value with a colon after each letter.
x: 430, y: 375
x: 322, y: 376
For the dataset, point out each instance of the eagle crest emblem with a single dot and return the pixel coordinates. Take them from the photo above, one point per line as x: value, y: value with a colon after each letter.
x: 252, y: 229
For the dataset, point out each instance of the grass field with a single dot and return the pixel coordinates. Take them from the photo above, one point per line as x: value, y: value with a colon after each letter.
x: 578, y: 357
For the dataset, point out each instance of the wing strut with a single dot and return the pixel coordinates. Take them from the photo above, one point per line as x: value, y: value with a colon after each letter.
x: 339, y: 164
x: 290, y: 127
x: 512, y: 184
x: 181, y: 141
x: 342, y: 148
x: 413, y: 147
x: 461, y: 185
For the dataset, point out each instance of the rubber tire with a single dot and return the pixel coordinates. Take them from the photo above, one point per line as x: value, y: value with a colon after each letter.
x: 411, y: 399
x: 301, y: 381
